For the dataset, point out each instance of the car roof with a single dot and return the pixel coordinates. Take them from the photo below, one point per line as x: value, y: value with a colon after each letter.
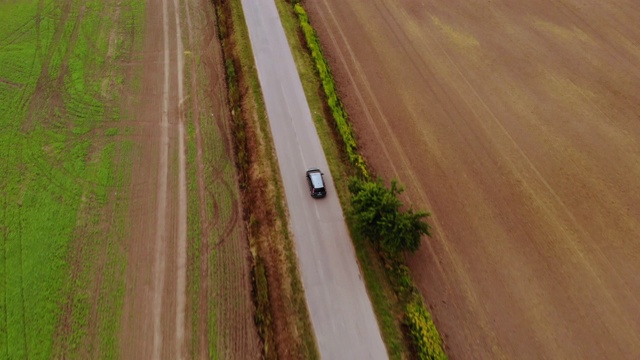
x: 316, y: 179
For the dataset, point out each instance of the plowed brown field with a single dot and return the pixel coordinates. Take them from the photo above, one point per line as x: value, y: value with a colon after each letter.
x: 518, y: 125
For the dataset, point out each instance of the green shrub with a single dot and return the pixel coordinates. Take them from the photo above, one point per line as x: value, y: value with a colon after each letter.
x: 378, y: 215
x: 401, y: 279
x: 423, y: 331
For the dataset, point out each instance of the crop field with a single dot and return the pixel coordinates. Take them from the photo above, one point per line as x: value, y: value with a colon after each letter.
x: 516, y: 126
x: 63, y: 167
x: 91, y: 190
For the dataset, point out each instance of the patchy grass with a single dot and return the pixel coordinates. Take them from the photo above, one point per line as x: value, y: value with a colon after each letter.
x: 194, y: 231
x: 61, y: 179
x: 220, y: 300
x: 194, y: 209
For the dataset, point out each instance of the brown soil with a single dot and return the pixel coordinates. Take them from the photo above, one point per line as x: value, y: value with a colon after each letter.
x: 147, y: 250
x: 517, y: 126
x: 157, y: 315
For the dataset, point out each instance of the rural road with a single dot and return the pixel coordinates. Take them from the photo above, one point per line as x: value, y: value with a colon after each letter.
x: 341, y: 312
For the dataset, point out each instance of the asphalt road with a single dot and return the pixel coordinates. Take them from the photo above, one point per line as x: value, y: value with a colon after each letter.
x: 341, y: 312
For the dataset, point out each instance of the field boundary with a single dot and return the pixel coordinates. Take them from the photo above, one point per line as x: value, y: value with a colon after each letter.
x: 419, y: 334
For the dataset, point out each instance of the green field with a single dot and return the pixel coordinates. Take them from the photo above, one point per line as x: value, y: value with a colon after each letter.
x: 63, y: 161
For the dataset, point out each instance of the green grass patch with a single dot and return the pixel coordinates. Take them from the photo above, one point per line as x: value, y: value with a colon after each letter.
x: 194, y: 232
x: 59, y: 178
x: 112, y: 131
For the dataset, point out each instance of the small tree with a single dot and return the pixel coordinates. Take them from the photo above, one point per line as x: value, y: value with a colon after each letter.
x: 376, y: 209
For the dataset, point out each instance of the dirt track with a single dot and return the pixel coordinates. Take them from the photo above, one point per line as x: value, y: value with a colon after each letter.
x: 153, y: 274
x: 188, y: 286
x: 516, y: 124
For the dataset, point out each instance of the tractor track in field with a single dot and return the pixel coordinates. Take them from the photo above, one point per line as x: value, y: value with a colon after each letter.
x: 48, y: 93
x: 148, y: 249
x: 90, y: 256
x: 35, y: 110
x: 11, y: 83
x: 39, y: 98
x: 26, y: 27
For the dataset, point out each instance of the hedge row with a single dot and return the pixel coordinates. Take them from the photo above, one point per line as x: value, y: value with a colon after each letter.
x: 329, y: 87
x: 422, y: 330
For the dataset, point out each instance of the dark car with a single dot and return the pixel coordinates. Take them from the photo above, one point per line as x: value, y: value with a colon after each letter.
x: 316, y: 183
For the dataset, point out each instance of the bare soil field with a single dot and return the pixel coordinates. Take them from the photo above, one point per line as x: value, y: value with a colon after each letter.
x: 188, y: 287
x: 516, y: 125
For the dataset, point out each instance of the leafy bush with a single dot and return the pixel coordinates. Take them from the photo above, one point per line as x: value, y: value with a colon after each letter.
x: 400, y: 278
x: 423, y: 331
x: 379, y: 218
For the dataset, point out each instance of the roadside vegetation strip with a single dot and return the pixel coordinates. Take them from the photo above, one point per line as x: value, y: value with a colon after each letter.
x: 380, y: 291
x: 281, y: 314
x: 423, y: 331
x: 330, y: 91
x: 231, y: 34
x: 420, y: 329
x: 59, y: 173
